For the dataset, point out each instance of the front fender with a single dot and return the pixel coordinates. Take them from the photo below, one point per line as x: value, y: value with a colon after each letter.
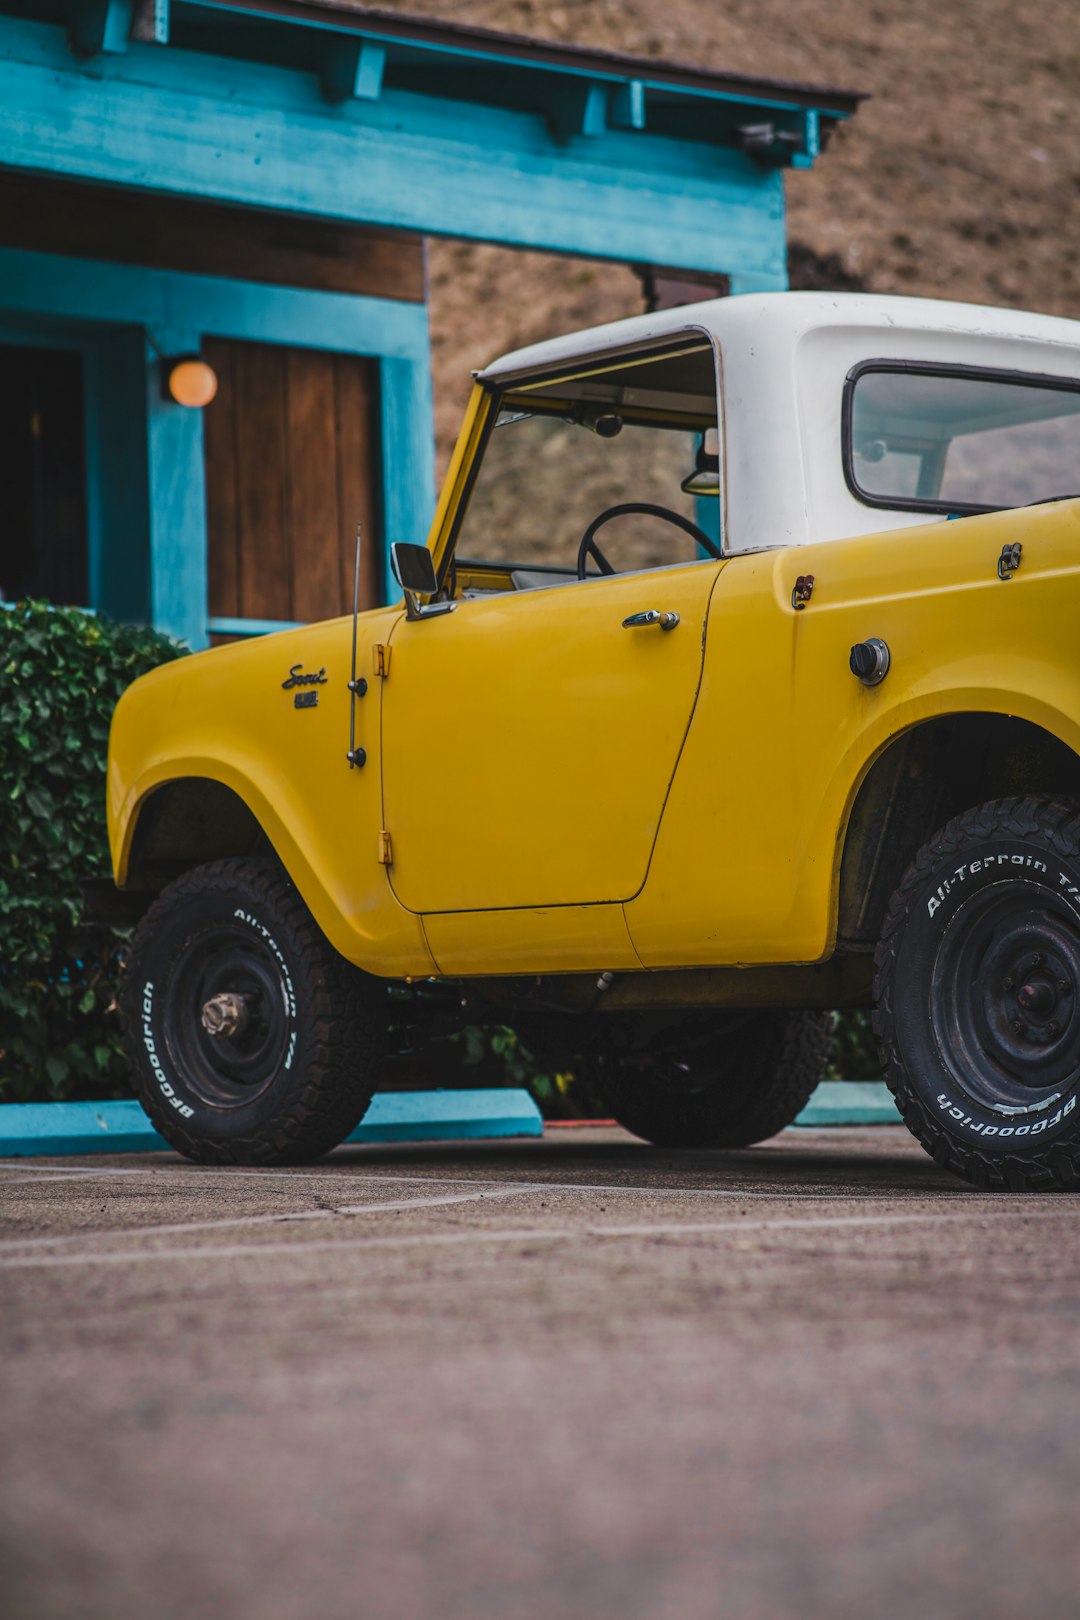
x: 229, y: 716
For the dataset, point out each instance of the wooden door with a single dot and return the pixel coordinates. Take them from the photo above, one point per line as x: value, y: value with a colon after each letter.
x: 291, y: 457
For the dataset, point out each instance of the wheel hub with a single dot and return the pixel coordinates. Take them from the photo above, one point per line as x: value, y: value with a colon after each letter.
x: 1037, y: 999
x: 226, y: 1015
x: 1036, y: 996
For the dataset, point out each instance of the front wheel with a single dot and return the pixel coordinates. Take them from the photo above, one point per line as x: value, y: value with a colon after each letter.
x: 978, y: 995
x: 711, y: 1079
x: 250, y: 1039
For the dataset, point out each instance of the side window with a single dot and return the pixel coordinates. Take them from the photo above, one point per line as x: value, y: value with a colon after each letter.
x: 563, y: 451
x: 954, y: 440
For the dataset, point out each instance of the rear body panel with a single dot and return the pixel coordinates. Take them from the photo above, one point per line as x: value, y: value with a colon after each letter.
x: 746, y: 867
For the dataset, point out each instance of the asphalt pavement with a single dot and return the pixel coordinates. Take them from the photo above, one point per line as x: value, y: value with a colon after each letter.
x: 527, y: 1381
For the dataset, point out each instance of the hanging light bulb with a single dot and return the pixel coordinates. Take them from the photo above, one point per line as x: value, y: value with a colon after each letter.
x: 190, y: 380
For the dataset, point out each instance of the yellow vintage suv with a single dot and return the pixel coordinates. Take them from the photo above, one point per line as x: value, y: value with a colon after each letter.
x: 739, y: 680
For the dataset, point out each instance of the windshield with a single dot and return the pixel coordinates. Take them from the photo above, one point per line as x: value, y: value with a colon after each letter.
x: 961, y: 441
x: 563, y: 451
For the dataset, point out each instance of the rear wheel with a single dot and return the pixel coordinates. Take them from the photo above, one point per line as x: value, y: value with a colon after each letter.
x: 251, y: 1040
x: 711, y: 1080
x: 978, y: 995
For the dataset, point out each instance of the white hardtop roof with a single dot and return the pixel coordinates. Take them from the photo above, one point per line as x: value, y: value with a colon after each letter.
x: 790, y: 314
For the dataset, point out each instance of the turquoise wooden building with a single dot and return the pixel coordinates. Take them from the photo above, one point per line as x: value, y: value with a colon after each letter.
x: 249, y: 182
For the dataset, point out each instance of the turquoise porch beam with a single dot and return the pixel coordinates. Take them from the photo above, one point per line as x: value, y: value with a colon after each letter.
x: 187, y: 123
x: 176, y: 496
x: 408, y: 457
x: 94, y: 290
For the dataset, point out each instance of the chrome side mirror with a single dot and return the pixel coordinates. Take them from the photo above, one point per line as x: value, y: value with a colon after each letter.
x: 414, y: 570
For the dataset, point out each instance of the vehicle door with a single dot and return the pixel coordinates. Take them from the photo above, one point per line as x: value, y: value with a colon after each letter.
x: 530, y: 735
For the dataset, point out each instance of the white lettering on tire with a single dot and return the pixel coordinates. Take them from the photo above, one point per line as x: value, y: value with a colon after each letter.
x: 287, y: 984
x: 970, y: 868
x: 151, y: 1051
x: 965, y: 1121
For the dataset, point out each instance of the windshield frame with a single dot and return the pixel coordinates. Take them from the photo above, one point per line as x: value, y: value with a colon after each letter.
x: 932, y: 368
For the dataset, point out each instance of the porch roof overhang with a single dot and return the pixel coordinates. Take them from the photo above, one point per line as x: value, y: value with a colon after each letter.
x: 328, y: 108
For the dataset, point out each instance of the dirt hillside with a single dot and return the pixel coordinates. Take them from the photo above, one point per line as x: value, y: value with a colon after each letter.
x: 960, y: 179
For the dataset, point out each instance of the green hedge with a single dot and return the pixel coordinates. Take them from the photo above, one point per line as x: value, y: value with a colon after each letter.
x: 61, y: 673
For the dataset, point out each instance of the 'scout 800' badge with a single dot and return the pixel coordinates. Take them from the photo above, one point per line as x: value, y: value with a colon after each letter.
x: 309, y: 697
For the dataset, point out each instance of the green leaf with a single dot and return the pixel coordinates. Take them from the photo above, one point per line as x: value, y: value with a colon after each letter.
x: 56, y: 1069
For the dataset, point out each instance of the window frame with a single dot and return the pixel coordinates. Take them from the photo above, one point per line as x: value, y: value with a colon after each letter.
x: 931, y: 368
x: 602, y: 360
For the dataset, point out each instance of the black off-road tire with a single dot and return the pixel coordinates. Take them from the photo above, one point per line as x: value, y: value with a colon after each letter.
x: 713, y: 1080
x: 298, y: 1075
x: 978, y: 995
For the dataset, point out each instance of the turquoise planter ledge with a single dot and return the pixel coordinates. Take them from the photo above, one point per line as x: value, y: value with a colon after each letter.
x: 850, y: 1102
x: 29, y: 1129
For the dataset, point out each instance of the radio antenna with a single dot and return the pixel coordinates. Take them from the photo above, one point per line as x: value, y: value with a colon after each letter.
x: 357, y: 688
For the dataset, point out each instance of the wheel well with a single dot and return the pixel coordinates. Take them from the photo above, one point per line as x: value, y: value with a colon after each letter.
x: 925, y: 777
x: 186, y: 823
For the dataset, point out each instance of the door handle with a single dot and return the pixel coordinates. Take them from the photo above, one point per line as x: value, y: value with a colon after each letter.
x: 637, y: 621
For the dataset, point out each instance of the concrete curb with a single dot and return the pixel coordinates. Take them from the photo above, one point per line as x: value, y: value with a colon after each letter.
x: 30, y: 1129
x: 850, y: 1102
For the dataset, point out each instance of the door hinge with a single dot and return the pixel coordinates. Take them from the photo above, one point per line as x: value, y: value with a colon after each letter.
x: 1009, y: 561
x: 386, y: 854
x: 382, y: 659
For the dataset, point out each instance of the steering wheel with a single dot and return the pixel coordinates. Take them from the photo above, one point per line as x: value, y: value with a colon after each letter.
x: 589, y: 548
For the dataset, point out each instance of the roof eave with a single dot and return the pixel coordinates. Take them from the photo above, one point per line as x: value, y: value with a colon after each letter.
x: 346, y: 16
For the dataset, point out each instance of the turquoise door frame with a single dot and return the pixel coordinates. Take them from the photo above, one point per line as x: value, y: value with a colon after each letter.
x: 118, y: 573
x: 145, y: 475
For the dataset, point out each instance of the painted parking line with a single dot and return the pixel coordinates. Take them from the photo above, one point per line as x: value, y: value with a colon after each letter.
x: 226, y: 1176
x: 484, y: 1237
x: 33, y: 1172
x: 490, y: 1195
